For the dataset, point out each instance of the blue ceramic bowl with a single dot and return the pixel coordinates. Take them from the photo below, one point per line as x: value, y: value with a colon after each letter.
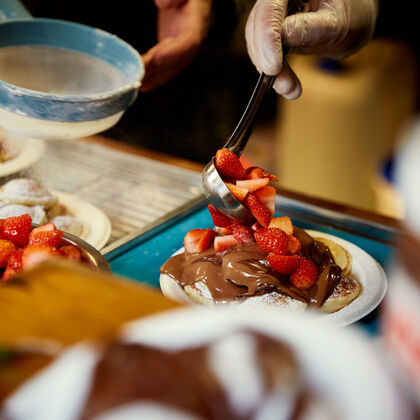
x: 55, y: 71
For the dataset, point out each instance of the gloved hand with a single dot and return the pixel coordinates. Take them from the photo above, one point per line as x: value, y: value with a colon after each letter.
x: 182, y: 27
x: 332, y: 28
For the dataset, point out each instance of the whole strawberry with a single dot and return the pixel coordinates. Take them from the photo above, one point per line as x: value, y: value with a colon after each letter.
x: 305, y: 275
x: 272, y: 240
x: 17, y: 229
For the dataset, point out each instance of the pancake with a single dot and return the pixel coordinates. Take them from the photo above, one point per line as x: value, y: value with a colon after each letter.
x: 27, y: 192
x: 344, y: 292
x: 37, y: 213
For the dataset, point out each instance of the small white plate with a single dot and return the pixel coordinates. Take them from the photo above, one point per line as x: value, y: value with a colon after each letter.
x: 98, y: 225
x: 371, y: 276
x: 29, y: 150
x: 365, y: 269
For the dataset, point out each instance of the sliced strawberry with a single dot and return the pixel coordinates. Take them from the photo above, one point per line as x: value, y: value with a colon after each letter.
x: 283, y: 264
x: 14, y: 266
x: 243, y: 234
x: 256, y: 226
x: 44, y: 228
x: 17, y: 229
x: 47, y: 237
x: 305, y: 275
x: 272, y: 240
x: 284, y: 223
x: 253, y: 184
x: 7, y: 249
x: 239, y: 192
x: 71, y: 252
x: 8, y: 274
x: 267, y: 196
x: 219, y: 219
x: 228, y: 165
x: 198, y: 240
x: 33, y: 254
x: 253, y: 172
x: 258, y: 210
x: 1, y: 228
x: 224, y: 231
x: 222, y: 243
x: 294, y: 245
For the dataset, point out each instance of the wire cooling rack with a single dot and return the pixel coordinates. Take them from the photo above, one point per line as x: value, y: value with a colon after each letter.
x: 133, y: 191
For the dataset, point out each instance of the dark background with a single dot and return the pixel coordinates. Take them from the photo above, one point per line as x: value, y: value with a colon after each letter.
x: 194, y: 114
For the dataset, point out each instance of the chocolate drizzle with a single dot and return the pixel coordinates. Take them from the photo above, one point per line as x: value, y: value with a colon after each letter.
x: 243, y: 271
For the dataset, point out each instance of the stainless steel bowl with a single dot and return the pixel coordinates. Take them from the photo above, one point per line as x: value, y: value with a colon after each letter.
x: 89, y: 254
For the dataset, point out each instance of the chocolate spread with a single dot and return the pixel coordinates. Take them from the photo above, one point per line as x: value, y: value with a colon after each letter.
x: 243, y: 271
x: 183, y: 379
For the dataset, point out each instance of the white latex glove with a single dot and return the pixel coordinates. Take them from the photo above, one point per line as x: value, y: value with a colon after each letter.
x: 333, y: 28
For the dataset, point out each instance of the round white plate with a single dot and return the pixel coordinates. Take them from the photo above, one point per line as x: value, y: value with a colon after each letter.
x: 365, y: 269
x: 29, y: 150
x: 98, y: 226
x: 371, y: 276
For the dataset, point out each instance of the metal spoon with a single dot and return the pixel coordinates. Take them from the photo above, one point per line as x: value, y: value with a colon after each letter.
x: 214, y: 187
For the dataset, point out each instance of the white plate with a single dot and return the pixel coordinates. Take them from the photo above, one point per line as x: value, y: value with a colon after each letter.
x: 29, y: 150
x: 371, y: 276
x: 98, y: 225
x: 365, y: 269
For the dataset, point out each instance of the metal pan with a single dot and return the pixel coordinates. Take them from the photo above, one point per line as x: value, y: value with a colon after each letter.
x: 60, y: 79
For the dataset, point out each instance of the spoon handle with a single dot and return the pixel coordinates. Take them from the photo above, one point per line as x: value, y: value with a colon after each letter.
x: 241, y: 134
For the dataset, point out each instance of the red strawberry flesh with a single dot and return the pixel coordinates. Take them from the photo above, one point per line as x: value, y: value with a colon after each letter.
x: 272, y: 240
x: 258, y: 210
x: 219, y: 219
x: 7, y: 249
x: 222, y: 243
x: 305, y: 275
x: 243, y: 234
x: 228, y: 165
x: 17, y: 229
x: 283, y: 223
x: 198, y: 240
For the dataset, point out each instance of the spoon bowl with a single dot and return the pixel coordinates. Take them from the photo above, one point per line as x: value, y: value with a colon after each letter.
x: 219, y: 194
x: 214, y: 187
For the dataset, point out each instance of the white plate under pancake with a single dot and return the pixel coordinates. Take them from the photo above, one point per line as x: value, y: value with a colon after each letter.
x: 367, y: 271
x: 29, y: 150
x: 98, y: 225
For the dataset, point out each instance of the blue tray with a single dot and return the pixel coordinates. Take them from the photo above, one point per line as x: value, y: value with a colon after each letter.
x: 148, y: 252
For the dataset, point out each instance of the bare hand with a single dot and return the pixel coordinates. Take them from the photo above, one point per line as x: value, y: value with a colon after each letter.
x: 182, y: 28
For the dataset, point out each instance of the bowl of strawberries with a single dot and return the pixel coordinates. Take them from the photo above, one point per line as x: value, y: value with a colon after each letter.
x: 24, y: 244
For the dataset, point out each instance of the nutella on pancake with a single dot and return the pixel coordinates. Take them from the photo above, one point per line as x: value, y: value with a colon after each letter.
x: 265, y: 260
